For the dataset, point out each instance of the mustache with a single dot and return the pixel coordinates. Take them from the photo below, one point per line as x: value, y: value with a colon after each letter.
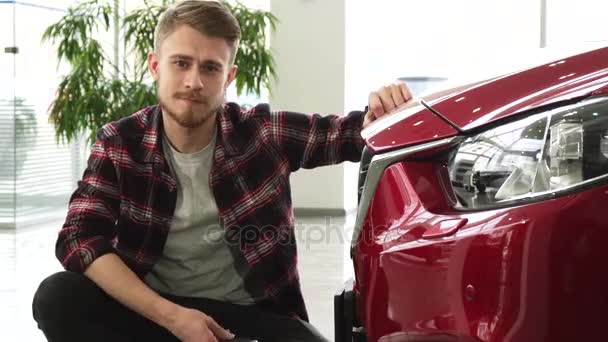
x: 191, y: 96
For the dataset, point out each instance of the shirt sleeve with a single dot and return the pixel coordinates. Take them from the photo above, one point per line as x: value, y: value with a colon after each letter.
x: 309, y: 141
x: 92, y: 213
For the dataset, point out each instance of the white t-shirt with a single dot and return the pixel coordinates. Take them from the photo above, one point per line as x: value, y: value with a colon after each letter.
x: 197, y: 261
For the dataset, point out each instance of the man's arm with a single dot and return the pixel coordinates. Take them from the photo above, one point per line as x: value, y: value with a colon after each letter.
x: 84, y: 247
x: 309, y: 141
x: 92, y: 213
x: 111, y: 274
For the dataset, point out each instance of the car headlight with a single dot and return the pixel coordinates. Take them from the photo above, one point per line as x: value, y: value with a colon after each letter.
x: 542, y: 154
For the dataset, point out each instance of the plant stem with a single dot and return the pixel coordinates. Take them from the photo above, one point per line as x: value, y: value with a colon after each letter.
x: 116, y: 37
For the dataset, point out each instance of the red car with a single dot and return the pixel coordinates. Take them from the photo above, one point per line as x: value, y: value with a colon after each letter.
x: 481, y: 213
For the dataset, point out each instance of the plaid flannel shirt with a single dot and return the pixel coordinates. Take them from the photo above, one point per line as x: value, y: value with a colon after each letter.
x: 126, y: 199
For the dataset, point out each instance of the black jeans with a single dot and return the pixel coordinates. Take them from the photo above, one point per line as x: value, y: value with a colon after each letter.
x: 71, y: 307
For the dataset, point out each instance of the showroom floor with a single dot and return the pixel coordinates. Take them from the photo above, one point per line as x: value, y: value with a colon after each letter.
x: 28, y: 257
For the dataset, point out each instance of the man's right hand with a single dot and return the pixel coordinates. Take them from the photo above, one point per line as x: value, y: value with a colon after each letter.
x: 113, y: 276
x: 191, y: 325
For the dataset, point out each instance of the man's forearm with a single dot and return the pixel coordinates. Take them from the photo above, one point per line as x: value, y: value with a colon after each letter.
x: 111, y: 274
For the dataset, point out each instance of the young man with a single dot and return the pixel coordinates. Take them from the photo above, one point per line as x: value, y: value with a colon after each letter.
x: 182, y: 226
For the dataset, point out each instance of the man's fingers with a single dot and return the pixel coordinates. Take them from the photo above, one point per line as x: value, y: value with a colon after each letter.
x: 369, y: 118
x: 218, y: 331
x: 375, y: 104
x: 210, y: 338
x: 387, y: 100
x: 405, y: 91
x: 397, y: 95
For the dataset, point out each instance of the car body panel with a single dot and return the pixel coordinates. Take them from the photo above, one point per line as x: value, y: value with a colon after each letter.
x: 601, y: 91
x: 417, y: 120
x: 529, y: 273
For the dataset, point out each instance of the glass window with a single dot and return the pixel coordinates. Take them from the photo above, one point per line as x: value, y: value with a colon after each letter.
x: 46, y: 170
x: 7, y: 118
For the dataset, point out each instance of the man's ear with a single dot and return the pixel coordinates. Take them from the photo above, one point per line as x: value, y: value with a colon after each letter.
x: 153, y: 65
x: 231, y: 76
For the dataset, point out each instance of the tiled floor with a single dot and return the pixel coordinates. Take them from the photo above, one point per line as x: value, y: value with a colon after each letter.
x: 27, y: 257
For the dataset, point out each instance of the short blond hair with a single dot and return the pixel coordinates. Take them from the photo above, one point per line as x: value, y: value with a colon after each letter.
x: 208, y: 17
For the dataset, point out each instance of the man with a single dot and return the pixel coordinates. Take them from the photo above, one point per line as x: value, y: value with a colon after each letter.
x: 182, y: 226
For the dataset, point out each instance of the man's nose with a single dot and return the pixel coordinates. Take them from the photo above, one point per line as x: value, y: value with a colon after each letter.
x: 194, y: 79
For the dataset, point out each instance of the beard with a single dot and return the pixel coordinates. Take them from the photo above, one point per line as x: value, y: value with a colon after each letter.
x: 201, y: 109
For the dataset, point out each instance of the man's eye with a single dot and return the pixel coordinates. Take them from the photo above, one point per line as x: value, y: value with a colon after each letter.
x: 210, y: 68
x: 181, y: 64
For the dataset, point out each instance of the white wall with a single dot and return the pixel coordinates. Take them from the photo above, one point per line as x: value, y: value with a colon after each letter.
x: 309, y: 52
x: 463, y: 40
x: 572, y: 22
x: 457, y: 39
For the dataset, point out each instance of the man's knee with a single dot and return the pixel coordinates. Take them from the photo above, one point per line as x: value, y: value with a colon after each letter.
x: 59, y: 294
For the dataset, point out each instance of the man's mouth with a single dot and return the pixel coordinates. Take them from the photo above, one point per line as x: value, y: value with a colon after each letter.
x: 194, y: 100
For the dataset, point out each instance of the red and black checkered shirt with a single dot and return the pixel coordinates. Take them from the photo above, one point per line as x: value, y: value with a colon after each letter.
x: 125, y: 201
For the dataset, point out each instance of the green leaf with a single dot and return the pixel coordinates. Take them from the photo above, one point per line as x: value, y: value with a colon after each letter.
x: 88, y: 96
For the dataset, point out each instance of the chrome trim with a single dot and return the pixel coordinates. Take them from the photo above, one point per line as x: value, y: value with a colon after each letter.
x: 375, y: 170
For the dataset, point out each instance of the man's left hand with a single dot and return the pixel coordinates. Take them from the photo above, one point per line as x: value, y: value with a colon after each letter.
x: 384, y: 100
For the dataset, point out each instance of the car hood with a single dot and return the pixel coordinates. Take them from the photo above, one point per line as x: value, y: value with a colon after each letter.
x: 464, y: 108
x: 474, y: 105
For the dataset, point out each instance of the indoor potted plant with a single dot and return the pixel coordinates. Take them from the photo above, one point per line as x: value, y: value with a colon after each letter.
x: 100, y: 88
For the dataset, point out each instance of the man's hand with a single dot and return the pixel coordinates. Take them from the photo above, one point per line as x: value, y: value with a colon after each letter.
x: 384, y: 100
x: 192, y: 325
